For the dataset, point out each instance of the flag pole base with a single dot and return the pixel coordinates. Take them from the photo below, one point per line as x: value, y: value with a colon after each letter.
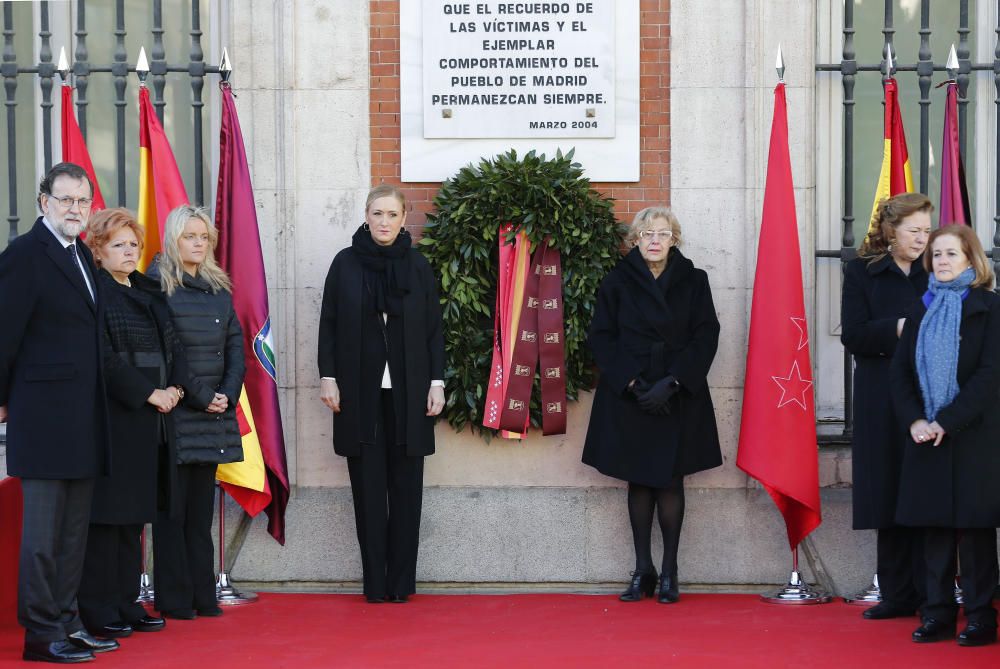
x: 227, y: 595
x: 145, y: 589
x: 868, y: 597
x: 796, y: 591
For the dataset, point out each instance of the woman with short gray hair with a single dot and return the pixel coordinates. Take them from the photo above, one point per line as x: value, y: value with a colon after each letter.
x: 654, y: 337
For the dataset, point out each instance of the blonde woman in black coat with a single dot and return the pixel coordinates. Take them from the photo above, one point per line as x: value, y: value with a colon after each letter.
x: 946, y: 392
x: 207, y: 434
x: 880, y: 286
x: 654, y: 337
x: 381, y: 364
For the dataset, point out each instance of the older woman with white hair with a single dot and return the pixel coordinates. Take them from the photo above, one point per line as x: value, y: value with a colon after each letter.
x: 207, y: 434
x: 654, y: 337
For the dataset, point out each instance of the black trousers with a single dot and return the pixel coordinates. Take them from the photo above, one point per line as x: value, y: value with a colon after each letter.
x: 977, y: 561
x: 183, y: 550
x: 387, y: 486
x: 53, y: 540
x: 111, y: 571
x: 902, y: 577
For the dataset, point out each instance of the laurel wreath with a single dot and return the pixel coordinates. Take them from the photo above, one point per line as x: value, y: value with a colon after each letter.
x: 548, y: 199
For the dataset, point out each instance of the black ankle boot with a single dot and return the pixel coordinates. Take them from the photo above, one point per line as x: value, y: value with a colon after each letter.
x: 643, y: 584
x: 668, y: 592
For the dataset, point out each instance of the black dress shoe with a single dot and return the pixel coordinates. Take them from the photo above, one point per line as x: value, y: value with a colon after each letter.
x: 179, y: 614
x: 60, y: 652
x: 84, y: 640
x: 668, y: 593
x: 886, y: 610
x: 934, y: 630
x: 116, y: 630
x: 977, y: 634
x: 148, y: 624
x: 210, y: 612
x: 375, y: 600
x: 643, y: 585
x: 397, y: 599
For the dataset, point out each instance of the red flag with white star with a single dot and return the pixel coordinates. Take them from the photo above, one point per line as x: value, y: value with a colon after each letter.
x: 778, y: 427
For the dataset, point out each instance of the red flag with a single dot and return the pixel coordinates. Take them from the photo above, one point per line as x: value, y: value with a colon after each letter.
x: 778, y: 427
x: 239, y: 254
x: 954, y: 206
x: 161, y: 188
x: 74, y: 149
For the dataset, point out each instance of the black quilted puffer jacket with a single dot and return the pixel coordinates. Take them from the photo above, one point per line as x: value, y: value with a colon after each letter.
x: 208, y: 328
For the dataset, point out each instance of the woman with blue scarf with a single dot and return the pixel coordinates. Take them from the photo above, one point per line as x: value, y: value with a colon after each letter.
x: 946, y: 390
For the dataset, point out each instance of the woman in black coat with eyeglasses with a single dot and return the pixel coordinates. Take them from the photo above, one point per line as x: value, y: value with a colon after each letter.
x: 654, y: 337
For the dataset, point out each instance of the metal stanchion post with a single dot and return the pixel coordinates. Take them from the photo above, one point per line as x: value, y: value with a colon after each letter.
x: 868, y: 597
x: 796, y: 591
x: 225, y: 593
x: 145, y: 583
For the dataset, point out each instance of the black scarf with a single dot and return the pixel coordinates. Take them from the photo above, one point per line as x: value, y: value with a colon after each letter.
x: 387, y: 269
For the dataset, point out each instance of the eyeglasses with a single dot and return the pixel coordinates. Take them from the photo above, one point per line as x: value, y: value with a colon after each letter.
x: 68, y: 202
x: 650, y: 235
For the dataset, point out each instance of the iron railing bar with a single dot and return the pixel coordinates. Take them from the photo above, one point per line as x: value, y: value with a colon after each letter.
x: 46, y: 71
x: 81, y: 66
x: 836, y: 67
x: 925, y: 72
x: 847, y: 235
x: 963, y: 72
x: 120, y: 73
x: 158, y: 63
x: 9, y: 72
x: 105, y: 69
x: 197, y: 72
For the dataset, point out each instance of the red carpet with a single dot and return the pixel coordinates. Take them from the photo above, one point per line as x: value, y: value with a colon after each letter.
x: 732, y: 631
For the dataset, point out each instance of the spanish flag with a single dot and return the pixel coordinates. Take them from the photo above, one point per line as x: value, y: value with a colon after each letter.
x: 74, y: 148
x: 161, y: 188
x: 895, y: 176
x: 260, y: 482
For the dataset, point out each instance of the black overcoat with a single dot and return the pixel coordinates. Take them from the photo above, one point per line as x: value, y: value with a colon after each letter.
x: 141, y: 354
x: 653, y: 328
x: 340, y: 349
x: 50, y: 361
x: 956, y: 484
x: 876, y: 295
x: 210, y: 333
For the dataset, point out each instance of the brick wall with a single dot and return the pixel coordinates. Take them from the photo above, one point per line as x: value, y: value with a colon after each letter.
x: 654, y: 109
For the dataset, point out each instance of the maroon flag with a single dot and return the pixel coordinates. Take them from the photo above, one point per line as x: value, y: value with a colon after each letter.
x: 954, y: 203
x: 74, y: 149
x: 778, y: 427
x: 239, y: 254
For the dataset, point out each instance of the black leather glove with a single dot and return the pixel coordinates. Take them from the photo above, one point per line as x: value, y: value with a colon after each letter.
x: 639, y: 387
x: 657, y: 399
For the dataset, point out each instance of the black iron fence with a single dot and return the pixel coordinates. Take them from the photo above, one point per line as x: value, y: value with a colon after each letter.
x: 82, y: 70
x: 925, y: 67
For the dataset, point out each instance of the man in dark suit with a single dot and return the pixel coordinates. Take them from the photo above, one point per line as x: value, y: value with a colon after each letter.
x: 52, y: 398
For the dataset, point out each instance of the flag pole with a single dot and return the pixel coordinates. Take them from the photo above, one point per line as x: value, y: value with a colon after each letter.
x: 146, y: 594
x: 797, y: 591
x: 869, y: 596
x: 225, y: 592
x: 63, y: 67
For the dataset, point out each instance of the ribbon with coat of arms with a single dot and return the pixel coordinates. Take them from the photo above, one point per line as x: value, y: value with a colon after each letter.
x: 528, y: 331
